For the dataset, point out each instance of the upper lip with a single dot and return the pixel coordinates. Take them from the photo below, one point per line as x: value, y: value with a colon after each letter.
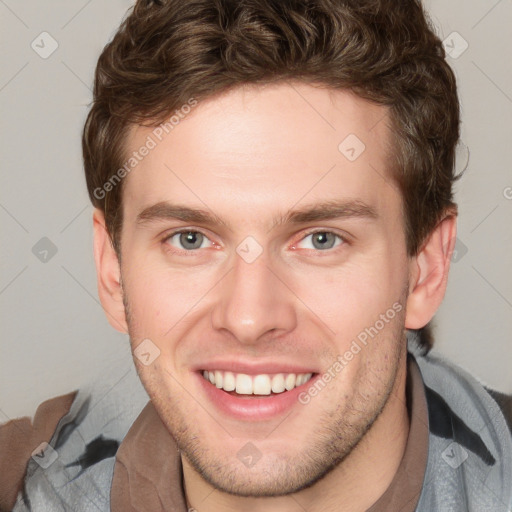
x: 254, y: 368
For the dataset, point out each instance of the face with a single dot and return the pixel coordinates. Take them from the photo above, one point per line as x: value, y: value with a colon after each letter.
x: 262, y: 242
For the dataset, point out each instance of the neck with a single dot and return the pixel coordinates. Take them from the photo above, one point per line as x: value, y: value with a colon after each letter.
x: 364, y: 474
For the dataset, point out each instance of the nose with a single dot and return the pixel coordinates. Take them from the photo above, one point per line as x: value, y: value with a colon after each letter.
x: 253, y: 301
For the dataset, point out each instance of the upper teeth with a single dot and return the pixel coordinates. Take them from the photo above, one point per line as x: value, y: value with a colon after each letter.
x: 262, y: 384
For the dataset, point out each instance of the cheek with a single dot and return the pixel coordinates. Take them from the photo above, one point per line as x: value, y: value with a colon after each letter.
x: 159, y: 297
x: 350, y: 298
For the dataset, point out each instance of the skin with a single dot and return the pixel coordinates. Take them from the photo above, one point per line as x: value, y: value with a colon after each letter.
x: 250, y: 156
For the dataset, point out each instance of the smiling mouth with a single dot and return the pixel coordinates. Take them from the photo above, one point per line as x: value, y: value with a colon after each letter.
x: 262, y: 385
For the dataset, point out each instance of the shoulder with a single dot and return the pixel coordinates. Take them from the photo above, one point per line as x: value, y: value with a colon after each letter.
x: 75, y: 465
x: 21, y: 437
x: 470, y: 443
x: 464, y: 394
x: 505, y: 403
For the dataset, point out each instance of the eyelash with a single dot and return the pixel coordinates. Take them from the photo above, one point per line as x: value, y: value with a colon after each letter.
x: 344, y: 240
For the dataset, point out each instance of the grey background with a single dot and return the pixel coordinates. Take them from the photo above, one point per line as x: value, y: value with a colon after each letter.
x: 54, y: 335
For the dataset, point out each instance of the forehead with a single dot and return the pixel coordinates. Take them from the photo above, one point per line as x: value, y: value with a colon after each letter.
x: 262, y: 150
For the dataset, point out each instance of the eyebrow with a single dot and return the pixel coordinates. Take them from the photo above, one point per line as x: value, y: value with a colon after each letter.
x: 329, y: 210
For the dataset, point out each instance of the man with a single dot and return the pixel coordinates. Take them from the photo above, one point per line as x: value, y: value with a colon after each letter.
x: 274, y: 225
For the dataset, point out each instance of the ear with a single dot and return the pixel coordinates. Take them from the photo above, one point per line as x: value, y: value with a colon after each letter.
x: 428, y: 274
x: 108, y: 274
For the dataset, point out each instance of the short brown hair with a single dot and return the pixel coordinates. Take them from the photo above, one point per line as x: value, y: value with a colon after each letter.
x: 169, y: 51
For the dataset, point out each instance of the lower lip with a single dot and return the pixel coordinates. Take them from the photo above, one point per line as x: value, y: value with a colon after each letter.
x: 251, y: 408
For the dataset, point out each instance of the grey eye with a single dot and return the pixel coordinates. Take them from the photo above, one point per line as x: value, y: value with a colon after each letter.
x: 321, y: 240
x: 188, y: 240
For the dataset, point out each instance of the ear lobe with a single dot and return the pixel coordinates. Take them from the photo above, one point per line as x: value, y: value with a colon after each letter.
x: 108, y: 274
x: 429, y: 274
